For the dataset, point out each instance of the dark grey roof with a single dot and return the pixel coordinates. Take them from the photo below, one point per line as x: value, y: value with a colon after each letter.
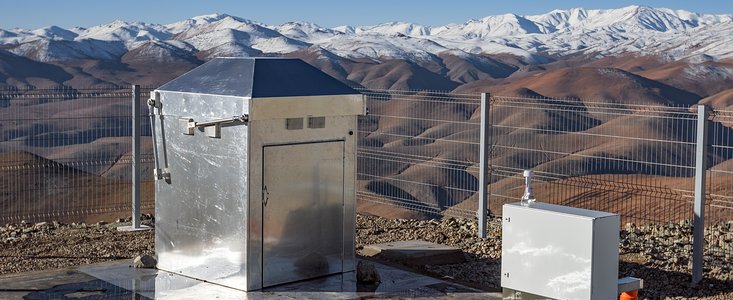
x: 258, y: 78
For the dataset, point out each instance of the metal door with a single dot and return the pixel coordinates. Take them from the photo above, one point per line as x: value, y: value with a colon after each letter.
x: 303, y: 196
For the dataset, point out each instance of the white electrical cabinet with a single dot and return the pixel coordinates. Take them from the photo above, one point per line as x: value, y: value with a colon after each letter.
x: 560, y: 252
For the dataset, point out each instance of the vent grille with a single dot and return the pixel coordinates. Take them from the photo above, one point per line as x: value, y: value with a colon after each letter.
x: 317, y: 122
x: 293, y: 123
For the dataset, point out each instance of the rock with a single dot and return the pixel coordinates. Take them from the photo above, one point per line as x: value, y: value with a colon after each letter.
x: 42, y: 224
x: 101, y: 223
x: 366, y: 272
x: 144, y: 261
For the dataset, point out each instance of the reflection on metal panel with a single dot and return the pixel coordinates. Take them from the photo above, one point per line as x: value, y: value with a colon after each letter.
x: 303, y: 199
x: 199, y: 211
x: 219, y: 76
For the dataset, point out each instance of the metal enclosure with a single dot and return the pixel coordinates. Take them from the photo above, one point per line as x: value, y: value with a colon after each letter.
x: 559, y: 252
x: 255, y: 172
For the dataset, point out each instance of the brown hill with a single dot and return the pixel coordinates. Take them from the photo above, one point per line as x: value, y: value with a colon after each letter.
x: 590, y: 84
x: 20, y: 71
x: 37, y: 189
x: 701, y: 78
x: 399, y: 75
x: 468, y: 67
x: 629, y: 63
x: 722, y: 100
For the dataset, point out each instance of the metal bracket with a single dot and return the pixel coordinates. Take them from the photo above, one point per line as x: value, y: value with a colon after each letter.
x: 154, y: 100
x: 162, y: 174
x: 188, y: 125
x: 265, y: 196
x: 212, y: 128
x: 628, y: 284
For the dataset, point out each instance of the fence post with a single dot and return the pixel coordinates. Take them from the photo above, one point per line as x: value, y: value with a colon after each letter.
x: 698, y: 220
x: 135, y: 156
x: 135, y: 163
x: 485, y: 146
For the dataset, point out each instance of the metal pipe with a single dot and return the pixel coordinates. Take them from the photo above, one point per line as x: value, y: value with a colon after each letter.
x: 153, y: 103
x: 243, y: 119
x: 698, y: 220
x: 528, y: 197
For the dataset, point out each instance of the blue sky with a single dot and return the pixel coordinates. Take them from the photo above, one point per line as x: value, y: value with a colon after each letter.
x: 33, y: 14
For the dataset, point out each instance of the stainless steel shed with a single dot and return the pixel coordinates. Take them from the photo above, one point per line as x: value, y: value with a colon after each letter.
x: 255, y: 170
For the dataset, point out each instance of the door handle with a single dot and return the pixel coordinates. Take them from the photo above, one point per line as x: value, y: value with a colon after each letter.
x: 265, y: 196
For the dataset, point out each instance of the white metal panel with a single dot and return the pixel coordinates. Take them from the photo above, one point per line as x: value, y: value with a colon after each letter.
x: 548, y: 250
x: 605, y: 253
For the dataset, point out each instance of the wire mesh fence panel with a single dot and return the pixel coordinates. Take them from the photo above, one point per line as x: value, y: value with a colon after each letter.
x: 719, y: 200
x: 418, y: 152
x: 64, y: 153
x: 637, y: 161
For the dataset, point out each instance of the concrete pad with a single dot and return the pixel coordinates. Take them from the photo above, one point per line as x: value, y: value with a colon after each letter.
x: 117, y: 280
x: 415, y: 252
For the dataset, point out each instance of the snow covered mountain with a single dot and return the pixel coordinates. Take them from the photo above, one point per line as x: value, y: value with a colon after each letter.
x: 674, y: 34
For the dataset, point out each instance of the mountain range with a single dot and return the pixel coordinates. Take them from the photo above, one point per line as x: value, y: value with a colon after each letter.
x: 674, y: 47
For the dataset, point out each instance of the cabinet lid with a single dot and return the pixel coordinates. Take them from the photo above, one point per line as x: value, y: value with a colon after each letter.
x: 258, y: 77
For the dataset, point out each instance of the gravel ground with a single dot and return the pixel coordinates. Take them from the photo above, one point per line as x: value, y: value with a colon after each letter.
x: 50, y: 245
x: 658, y: 254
